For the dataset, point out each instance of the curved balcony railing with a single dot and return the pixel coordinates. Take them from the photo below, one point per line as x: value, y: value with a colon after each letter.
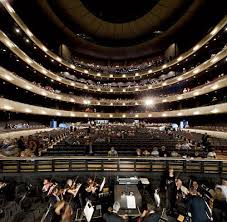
x: 219, y: 83
x: 9, y: 105
x: 182, y: 57
x: 95, y: 88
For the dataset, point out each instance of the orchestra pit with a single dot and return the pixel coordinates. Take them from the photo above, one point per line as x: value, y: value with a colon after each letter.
x: 113, y: 111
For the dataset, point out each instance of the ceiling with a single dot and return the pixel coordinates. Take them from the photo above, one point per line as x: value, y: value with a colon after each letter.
x: 117, y: 29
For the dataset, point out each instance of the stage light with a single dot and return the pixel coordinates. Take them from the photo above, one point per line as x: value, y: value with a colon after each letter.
x: 148, y: 102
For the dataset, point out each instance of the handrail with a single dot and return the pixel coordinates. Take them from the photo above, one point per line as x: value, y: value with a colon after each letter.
x: 182, y: 57
x: 6, y: 104
x: 103, y: 164
x: 27, y: 85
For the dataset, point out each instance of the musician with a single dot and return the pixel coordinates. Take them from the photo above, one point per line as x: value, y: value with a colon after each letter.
x: 113, y: 216
x: 92, y: 189
x: 71, y: 189
x: 48, y: 186
x: 149, y: 215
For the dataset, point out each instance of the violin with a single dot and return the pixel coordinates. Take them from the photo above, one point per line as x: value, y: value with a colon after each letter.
x: 92, y: 186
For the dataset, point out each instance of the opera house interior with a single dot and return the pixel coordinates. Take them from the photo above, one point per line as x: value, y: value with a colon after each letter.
x: 113, y: 111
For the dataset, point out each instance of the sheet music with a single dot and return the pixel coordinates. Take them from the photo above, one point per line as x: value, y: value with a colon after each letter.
x: 131, y: 202
x: 88, y: 211
x: 102, y: 184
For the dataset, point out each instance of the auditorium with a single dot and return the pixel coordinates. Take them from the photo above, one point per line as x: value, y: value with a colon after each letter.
x: 113, y: 111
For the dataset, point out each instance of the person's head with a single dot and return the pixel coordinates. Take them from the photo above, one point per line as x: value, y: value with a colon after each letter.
x: 69, y: 182
x: 224, y: 181
x: 195, y: 185
x: 171, y: 171
x: 46, y: 181
x: 163, y: 148
x: 112, y: 149
x: 55, y: 190
x: 150, y: 207
x: 116, y: 206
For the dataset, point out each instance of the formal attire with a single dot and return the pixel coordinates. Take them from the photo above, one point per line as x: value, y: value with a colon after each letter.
x: 112, y: 217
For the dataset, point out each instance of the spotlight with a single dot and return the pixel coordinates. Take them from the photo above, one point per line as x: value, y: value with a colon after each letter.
x: 149, y: 102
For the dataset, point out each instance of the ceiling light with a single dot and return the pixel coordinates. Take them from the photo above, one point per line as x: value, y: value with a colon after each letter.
x: 98, y: 115
x: 72, y: 66
x: 58, y: 97
x: 179, y: 114
x: 179, y: 97
x: 43, y: 112
x: 87, y: 102
x: 164, y: 84
x: 196, y: 93
x: 59, y: 79
x: 86, y: 71
x: 72, y: 100
x: 27, y: 40
x: 17, y: 30
x: 44, y: 48
x: 29, y: 61
x: 85, y: 87
x: 214, y: 59
x: 164, y: 100
x: 29, y: 33
x: 164, y: 66
x: 196, y: 113
x: 72, y: 114
x: 111, y: 90
x: 136, y: 115
x: 59, y: 59
x: 136, y: 89
x: 85, y: 115
x: 215, y: 86
x: 179, y: 78
x: 28, y: 87
x: 111, y: 115
x: 196, y: 48
x: 52, y: 80
x: 123, y: 104
x: 72, y: 84
x: 7, y: 107
x: 179, y: 58
x: 11, y: 10
x: 149, y: 115
x: 44, y: 71
x: 111, y: 104
x: 98, y: 103
x: 150, y: 87
x: 111, y: 75
x: 98, y: 74
x: 214, y: 111
x: 214, y: 31
x: 196, y: 71
x: 136, y: 104
x: 148, y: 102
x: 9, y: 44
x: 137, y: 74
x: 123, y: 115
x: 124, y: 90
x: 28, y: 110
x: 8, y: 78
x: 99, y: 89
x: 58, y: 113
x: 123, y: 75
x: 150, y: 71
x: 44, y: 93
x: 164, y: 114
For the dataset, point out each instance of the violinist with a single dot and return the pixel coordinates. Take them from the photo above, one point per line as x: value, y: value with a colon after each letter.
x: 71, y: 188
x: 92, y: 186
